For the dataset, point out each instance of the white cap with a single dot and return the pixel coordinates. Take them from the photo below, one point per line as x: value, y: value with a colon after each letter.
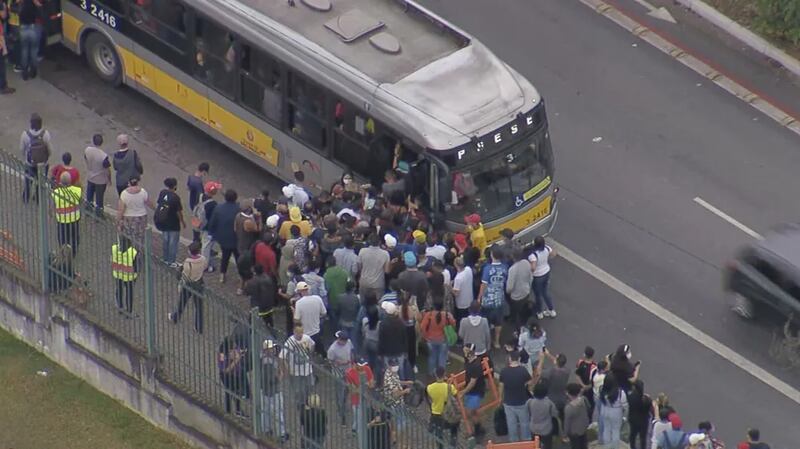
x: 272, y: 221
x: 390, y: 241
x: 347, y: 211
x: 301, y: 286
x: 288, y: 191
x: 389, y: 307
x: 696, y: 438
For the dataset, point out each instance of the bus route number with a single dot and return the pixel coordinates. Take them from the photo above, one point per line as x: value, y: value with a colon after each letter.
x: 100, y: 13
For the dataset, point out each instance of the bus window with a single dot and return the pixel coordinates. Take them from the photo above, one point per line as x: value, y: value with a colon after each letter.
x: 117, y: 6
x: 164, y: 18
x: 261, y: 84
x: 306, y: 108
x: 215, y: 56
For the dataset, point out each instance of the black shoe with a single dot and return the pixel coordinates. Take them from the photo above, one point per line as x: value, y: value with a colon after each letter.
x: 17, y: 69
x: 25, y: 76
x: 34, y: 72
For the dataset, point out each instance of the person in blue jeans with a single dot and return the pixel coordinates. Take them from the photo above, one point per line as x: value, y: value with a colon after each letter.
x: 168, y: 218
x: 540, y: 265
x: 516, y: 380
x: 29, y: 37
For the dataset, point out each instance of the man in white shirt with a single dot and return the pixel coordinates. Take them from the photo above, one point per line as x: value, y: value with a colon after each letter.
x: 462, y: 289
x: 309, y: 310
x: 296, y: 352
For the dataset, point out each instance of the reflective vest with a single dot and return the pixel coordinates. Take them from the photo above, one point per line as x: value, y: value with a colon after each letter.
x: 122, y: 263
x: 68, y: 204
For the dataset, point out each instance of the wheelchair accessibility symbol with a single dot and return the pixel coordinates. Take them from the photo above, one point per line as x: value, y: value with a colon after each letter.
x: 518, y: 200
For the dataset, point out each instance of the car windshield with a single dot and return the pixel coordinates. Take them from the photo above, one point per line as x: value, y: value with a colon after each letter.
x: 499, y: 185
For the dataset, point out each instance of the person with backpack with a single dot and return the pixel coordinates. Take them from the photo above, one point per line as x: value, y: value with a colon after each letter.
x: 432, y: 328
x: 36, y: 148
x: 577, y: 417
x: 195, y: 186
x: 126, y: 164
x: 444, y: 410
x: 674, y: 437
x: 168, y: 218
x: 191, y: 286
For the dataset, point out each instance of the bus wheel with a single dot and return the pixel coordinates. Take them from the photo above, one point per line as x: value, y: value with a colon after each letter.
x: 103, y: 59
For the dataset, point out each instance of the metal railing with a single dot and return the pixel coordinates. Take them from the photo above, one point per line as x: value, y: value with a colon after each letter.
x: 214, y: 350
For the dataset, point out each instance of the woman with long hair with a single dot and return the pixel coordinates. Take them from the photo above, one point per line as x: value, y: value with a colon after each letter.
x: 432, y: 329
x: 540, y: 265
x: 370, y: 328
x: 409, y: 313
x: 625, y: 372
x: 613, y: 407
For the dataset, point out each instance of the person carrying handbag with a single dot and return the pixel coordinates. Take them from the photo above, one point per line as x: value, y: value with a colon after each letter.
x: 432, y: 328
x: 445, y: 414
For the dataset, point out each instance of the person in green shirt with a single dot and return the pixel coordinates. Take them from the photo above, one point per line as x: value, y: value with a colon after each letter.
x: 336, y: 284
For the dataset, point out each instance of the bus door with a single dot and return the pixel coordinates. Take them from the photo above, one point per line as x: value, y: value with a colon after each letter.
x: 439, y: 190
x: 51, y: 10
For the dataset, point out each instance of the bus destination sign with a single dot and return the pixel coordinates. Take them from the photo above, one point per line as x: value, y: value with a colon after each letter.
x: 502, y: 136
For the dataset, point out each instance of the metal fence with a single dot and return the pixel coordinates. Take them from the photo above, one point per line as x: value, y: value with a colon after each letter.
x: 214, y: 350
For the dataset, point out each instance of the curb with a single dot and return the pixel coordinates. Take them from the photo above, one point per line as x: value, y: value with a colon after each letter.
x: 751, y: 39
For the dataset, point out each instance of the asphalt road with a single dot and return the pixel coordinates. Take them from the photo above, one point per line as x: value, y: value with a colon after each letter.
x: 668, y: 136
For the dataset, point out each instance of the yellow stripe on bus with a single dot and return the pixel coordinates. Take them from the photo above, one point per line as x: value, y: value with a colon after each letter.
x: 70, y: 27
x: 198, y: 106
x: 523, y: 221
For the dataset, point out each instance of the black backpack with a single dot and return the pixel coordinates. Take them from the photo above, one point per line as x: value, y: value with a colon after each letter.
x: 161, y: 214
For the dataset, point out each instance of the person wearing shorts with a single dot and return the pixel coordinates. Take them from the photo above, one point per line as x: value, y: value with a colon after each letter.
x: 475, y: 388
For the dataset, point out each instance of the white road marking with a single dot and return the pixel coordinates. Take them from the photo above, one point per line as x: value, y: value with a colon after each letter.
x: 657, y: 12
x: 728, y: 218
x: 678, y: 323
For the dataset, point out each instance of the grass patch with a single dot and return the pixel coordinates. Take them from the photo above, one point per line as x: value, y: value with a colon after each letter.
x: 746, y: 13
x: 61, y: 411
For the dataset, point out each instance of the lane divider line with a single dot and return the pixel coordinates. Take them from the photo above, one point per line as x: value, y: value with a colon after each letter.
x: 737, y: 224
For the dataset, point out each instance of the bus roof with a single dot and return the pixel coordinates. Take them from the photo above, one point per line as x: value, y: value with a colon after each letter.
x: 421, y: 39
x: 441, y: 90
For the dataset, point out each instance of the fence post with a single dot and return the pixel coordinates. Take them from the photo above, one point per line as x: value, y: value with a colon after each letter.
x: 149, y: 294
x: 361, y: 428
x: 255, y: 362
x: 44, y: 240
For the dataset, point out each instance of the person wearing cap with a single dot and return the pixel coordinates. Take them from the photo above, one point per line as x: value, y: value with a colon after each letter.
x: 126, y: 164
x: 698, y: 441
x: 340, y: 356
x: 475, y: 388
x: 353, y: 376
x: 392, y: 336
x: 309, y: 310
x: 413, y: 280
x: 374, y: 264
x: 674, y: 437
x: 296, y: 354
x: 273, y: 416
x: 295, y: 219
x: 201, y: 216
x: 477, y: 235
x: 194, y: 184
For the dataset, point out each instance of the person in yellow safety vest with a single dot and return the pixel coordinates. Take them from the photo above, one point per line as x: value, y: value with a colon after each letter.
x: 124, y: 269
x: 476, y: 233
x: 67, y: 199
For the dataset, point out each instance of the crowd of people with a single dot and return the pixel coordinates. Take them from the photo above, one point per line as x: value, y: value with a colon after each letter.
x: 22, y: 38
x: 362, y: 280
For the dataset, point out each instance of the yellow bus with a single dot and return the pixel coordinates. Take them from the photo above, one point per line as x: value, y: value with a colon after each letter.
x: 336, y: 86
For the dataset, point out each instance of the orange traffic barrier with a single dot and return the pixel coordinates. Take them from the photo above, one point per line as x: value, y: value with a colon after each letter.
x: 9, y: 252
x: 518, y: 445
x: 459, y: 380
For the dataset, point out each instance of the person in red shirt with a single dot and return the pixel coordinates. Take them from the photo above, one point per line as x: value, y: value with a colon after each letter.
x: 264, y: 255
x: 352, y: 377
x: 66, y: 166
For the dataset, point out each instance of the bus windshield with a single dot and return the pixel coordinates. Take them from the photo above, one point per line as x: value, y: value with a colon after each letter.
x: 496, y: 186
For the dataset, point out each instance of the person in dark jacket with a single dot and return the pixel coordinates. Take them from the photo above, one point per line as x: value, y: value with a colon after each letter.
x: 314, y: 422
x: 221, y: 230
x: 392, y: 337
x: 640, y: 413
x: 261, y: 290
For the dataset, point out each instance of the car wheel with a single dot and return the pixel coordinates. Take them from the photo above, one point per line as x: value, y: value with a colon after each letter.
x: 743, y: 307
x: 102, y: 57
